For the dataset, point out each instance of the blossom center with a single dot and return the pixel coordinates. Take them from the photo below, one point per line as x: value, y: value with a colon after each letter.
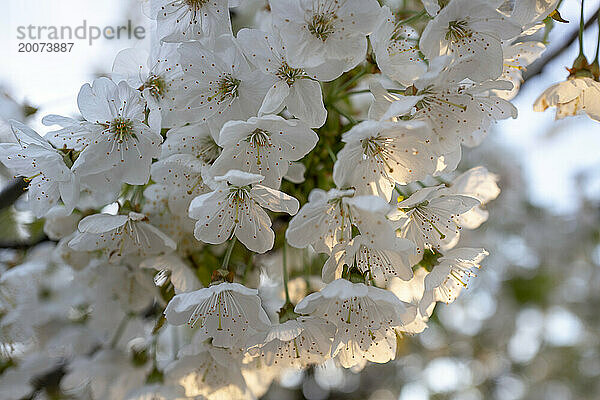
x: 157, y: 86
x: 259, y: 138
x: 322, y: 25
x: 209, y: 150
x: 227, y: 88
x: 122, y: 128
x: 458, y: 30
x: 195, y: 4
x: 289, y: 74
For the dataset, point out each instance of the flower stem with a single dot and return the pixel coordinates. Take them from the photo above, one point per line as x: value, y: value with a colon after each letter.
x: 285, y: 273
x: 581, y: 29
x: 598, y: 42
x: 413, y: 18
x: 228, y: 253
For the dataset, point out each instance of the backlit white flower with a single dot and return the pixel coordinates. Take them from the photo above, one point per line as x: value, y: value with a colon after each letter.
x: 530, y: 14
x: 396, y: 49
x: 470, y: 31
x: 114, y: 140
x: 294, y: 88
x: 456, y: 112
x: 572, y: 97
x: 480, y: 184
x: 212, y: 371
x: 50, y: 179
x: 380, y: 260
x: 516, y: 59
x: 194, y: 139
x: 120, y: 235
x: 265, y: 145
x: 173, y: 268
x: 365, y: 317
x: 329, y: 34
x: 428, y: 218
x: 235, y: 208
x: 226, y: 312
x: 327, y: 219
x: 217, y: 85
x: 181, y: 174
x: 183, y: 20
x: 447, y: 279
x: 295, y: 343
x: 379, y: 155
x: 411, y: 292
x: 153, y: 74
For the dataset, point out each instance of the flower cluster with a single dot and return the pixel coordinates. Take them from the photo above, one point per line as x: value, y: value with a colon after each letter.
x: 170, y: 198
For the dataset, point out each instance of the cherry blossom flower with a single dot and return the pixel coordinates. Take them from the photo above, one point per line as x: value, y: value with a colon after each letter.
x: 364, y: 316
x: 325, y: 33
x: 194, y: 139
x: 120, y: 235
x: 212, y: 371
x: 571, y: 97
x: 379, y: 260
x: 327, y: 219
x: 479, y: 183
x: 428, y: 217
x: 235, y: 208
x: 471, y: 32
x: 218, y: 84
x: 183, y: 20
x: 294, y: 88
x: 181, y: 175
x: 447, y: 279
x: 294, y: 343
x: 226, y: 312
x: 456, y: 112
x: 114, y: 141
x: 43, y: 167
x: 517, y: 57
x: 378, y: 155
x: 266, y: 146
x: 396, y: 49
x: 152, y: 74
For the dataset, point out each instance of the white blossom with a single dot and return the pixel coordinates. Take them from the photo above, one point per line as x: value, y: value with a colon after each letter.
x: 380, y: 260
x: 396, y: 49
x: 43, y: 167
x: 572, y: 97
x: 115, y: 143
x: 365, y: 317
x: 235, y: 208
x: 327, y: 219
x: 120, y: 235
x: 226, y: 312
x: 266, y: 146
x: 471, y: 32
x: 325, y: 34
x: 428, y: 217
x: 379, y: 155
x: 153, y: 74
x: 297, y: 342
x: 183, y: 20
x: 294, y: 88
x: 218, y: 84
x: 447, y: 279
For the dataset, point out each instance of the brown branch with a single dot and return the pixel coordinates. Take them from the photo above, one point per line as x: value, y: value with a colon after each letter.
x: 538, y: 67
